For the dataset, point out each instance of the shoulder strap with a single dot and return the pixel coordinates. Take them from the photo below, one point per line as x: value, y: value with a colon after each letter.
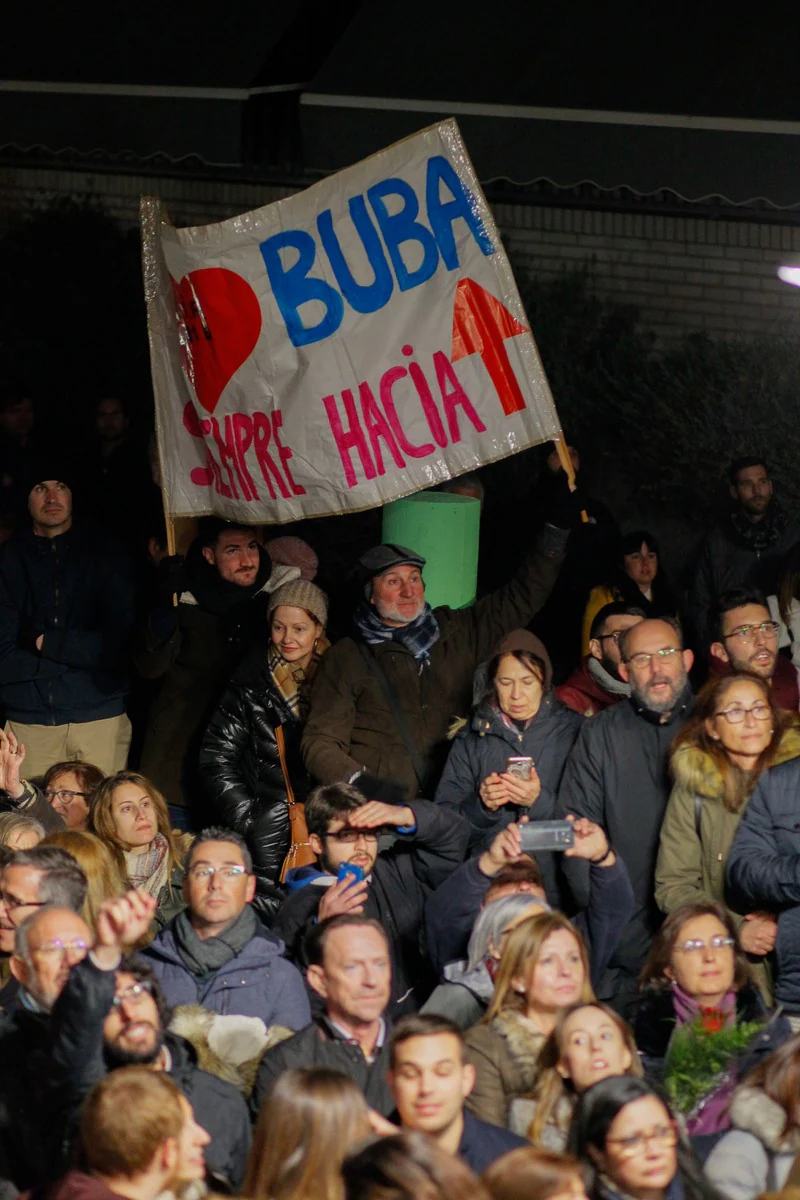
x: 698, y: 813
x: 391, y: 699
x: 279, y: 738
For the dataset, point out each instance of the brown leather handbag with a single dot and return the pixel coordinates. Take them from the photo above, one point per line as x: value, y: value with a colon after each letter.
x: 300, y: 853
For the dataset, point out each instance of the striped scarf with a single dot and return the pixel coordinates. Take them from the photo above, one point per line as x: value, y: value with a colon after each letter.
x: 418, y: 636
x: 294, y: 681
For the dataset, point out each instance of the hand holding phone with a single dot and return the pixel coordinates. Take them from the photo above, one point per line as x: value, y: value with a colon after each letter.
x: 547, y: 835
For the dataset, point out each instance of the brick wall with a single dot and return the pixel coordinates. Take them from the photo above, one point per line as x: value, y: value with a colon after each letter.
x: 686, y: 273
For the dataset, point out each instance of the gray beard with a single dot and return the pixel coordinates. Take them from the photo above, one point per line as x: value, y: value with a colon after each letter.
x: 660, y: 706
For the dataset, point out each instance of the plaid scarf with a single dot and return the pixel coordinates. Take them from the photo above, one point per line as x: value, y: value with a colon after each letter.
x: 149, y: 868
x: 294, y: 681
x: 418, y: 636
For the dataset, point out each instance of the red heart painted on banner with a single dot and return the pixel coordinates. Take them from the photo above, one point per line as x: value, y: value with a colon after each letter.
x: 219, y: 320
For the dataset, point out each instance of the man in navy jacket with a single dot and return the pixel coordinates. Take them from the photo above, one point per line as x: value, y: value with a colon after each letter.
x: 66, y: 615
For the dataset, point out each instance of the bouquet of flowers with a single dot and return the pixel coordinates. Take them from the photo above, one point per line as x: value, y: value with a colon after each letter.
x: 700, y: 1054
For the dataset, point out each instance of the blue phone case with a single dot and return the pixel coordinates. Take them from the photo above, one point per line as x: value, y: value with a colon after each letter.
x: 351, y: 870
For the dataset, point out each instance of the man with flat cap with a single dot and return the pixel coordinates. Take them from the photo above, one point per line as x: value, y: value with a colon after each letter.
x: 66, y: 615
x: 383, y: 699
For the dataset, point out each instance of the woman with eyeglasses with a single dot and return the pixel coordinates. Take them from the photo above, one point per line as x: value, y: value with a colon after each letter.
x: 696, y: 971
x: 69, y: 787
x: 625, y: 1133
x: 636, y: 578
x: 736, y: 732
x: 756, y: 1155
x: 130, y: 815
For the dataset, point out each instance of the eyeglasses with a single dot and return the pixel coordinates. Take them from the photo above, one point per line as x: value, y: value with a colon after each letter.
x: 12, y: 903
x: 63, y: 795
x: 637, y: 1143
x: 612, y: 637
x: 735, y: 716
x: 203, y: 873
x: 746, y: 633
x: 59, y: 948
x: 133, y: 995
x: 643, y: 660
x: 697, y: 945
x: 352, y: 835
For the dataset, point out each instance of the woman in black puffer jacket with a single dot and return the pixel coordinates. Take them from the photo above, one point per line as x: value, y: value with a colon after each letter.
x: 240, y: 767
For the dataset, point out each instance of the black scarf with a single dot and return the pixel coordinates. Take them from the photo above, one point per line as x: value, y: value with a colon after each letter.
x: 204, y: 958
x: 762, y: 535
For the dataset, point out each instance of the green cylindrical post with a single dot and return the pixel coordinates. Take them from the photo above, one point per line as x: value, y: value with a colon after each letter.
x: 444, y: 529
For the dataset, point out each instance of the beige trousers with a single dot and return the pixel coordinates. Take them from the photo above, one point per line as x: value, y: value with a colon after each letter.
x: 104, y: 743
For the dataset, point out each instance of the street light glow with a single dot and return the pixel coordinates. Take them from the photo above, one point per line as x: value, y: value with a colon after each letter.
x: 790, y: 275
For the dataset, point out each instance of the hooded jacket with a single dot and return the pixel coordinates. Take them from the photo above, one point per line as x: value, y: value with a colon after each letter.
x: 617, y: 775
x: 757, y: 1154
x: 351, y: 726
x: 78, y: 590
x: 195, y: 648
x: 258, y: 982
x: 505, y: 1055
x: 691, y: 867
x: 484, y: 746
x: 240, y: 769
x: 584, y: 692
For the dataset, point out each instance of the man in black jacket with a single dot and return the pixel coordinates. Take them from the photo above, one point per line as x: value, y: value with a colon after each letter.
x: 349, y: 968
x: 394, y: 884
x: 111, y: 1013
x: 617, y: 776
x: 66, y: 615
x: 430, y: 1080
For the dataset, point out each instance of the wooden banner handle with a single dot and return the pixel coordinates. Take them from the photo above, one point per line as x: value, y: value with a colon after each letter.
x: 565, y: 459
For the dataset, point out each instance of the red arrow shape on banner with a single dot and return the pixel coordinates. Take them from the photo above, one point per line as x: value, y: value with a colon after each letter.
x: 481, y: 325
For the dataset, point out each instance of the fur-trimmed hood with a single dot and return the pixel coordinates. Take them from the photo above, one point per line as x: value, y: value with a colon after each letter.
x: 754, y: 1112
x: 695, y: 770
x: 524, y: 1040
x: 230, y: 1047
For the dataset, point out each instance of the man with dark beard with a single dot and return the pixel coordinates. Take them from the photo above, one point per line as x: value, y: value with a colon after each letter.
x: 596, y: 684
x: 111, y: 1013
x: 747, y: 640
x: 617, y: 776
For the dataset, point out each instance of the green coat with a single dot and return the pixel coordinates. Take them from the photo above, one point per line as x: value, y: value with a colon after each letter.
x: 692, y: 868
x: 350, y: 726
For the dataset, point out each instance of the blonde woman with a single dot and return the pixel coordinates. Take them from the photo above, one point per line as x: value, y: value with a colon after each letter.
x: 98, y: 864
x: 130, y: 815
x: 544, y: 969
x: 311, y: 1120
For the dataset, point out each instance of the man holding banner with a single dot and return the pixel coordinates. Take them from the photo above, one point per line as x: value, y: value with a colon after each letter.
x: 384, y: 699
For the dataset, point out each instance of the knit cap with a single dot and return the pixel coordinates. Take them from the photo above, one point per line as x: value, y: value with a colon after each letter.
x: 301, y: 593
x: 48, y: 465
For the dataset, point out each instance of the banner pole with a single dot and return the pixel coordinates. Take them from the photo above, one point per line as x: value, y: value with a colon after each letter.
x: 566, y: 462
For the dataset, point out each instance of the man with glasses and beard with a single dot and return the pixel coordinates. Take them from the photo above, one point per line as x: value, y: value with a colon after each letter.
x: 389, y: 885
x: 746, y: 639
x: 111, y: 1014
x: 596, y: 684
x: 617, y: 776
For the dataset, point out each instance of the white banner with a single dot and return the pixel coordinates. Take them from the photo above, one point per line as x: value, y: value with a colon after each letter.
x: 343, y: 347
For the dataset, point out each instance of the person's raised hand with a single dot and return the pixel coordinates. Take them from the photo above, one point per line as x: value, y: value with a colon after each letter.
x: 493, y: 792
x: 758, y: 933
x: 590, y: 842
x: 523, y: 792
x: 344, y: 896
x: 121, y: 923
x: 375, y: 813
x: 12, y: 756
x: 506, y: 848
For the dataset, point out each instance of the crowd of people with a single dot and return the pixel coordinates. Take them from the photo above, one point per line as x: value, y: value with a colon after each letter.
x: 442, y: 902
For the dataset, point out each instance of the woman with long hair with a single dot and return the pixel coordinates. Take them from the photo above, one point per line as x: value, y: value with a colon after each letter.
x: 130, y: 815
x: 589, y: 1042
x: 98, y: 864
x: 757, y: 1154
x: 531, y: 1174
x: 626, y: 1134
x: 311, y: 1120
x: 637, y: 578
x: 735, y: 733
x: 544, y: 968
x: 250, y: 757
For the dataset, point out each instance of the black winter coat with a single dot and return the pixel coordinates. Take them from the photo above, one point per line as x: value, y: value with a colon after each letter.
x: 240, y: 770
x: 402, y: 879
x: 28, y: 1143
x: 618, y: 776
x: 78, y: 1063
x: 78, y: 590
